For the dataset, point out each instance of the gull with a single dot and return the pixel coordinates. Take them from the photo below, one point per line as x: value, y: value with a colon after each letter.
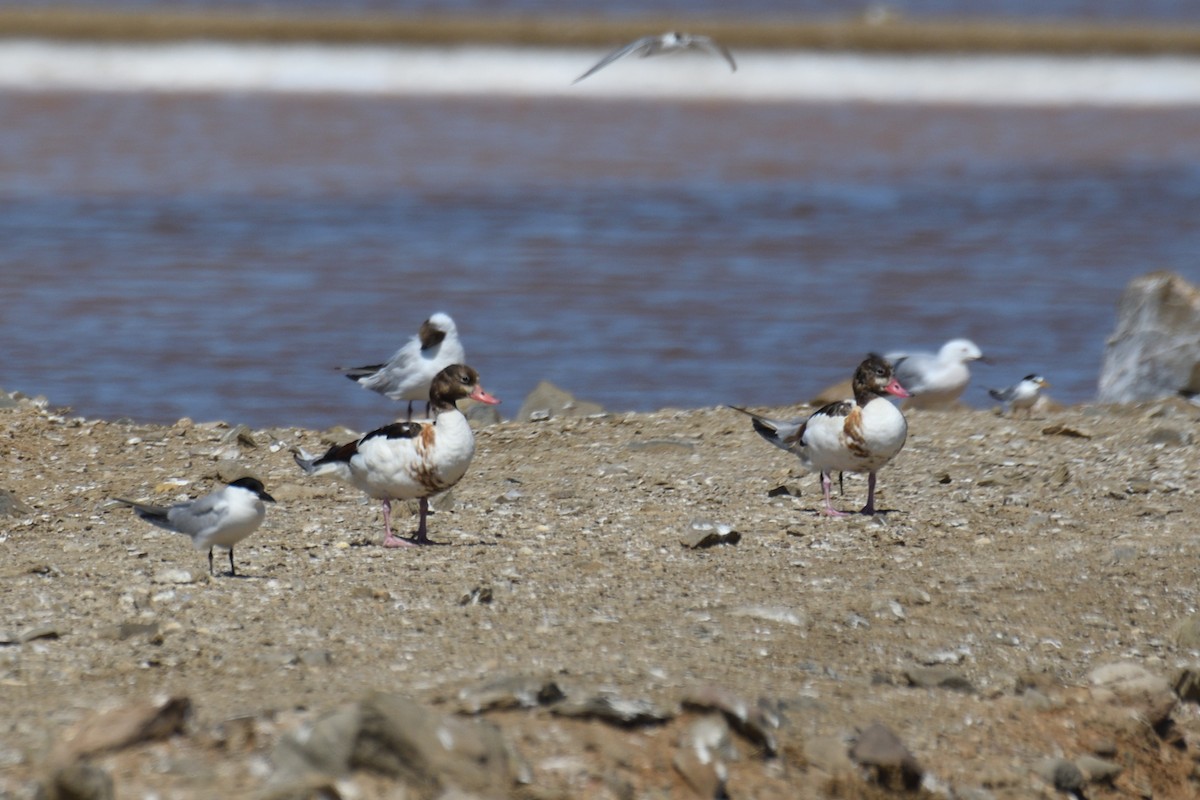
x: 669, y: 42
x: 220, y: 519
x: 410, y: 460
x: 936, y: 380
x: 1022, y: 394
x: 859, y: 435
x: 408, y: 374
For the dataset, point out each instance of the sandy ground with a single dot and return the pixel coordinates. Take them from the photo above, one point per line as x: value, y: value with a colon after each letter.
x: 1014, y: 558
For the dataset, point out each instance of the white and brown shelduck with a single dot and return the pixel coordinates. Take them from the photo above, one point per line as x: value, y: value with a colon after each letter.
x: 859, y: 435
x: 410, y: 460
x: 409, y: 373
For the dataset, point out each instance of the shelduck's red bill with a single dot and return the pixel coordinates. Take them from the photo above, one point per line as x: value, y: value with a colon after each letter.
x: 483, y: 397
x: 895, y: 388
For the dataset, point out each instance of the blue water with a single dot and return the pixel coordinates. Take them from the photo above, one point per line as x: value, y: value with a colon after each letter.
x: 214, y: 256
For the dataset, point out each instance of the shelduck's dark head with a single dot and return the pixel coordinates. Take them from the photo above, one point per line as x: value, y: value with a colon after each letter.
x: 874, y: 378
x: 456, y: 382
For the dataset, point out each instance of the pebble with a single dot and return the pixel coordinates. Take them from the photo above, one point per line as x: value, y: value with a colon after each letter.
x: 938, y: 677
x: 1098, y: 770
x: 703, y: 533
x: 1060, y: 773
x: 610, y: 707
x: 782, y: 614
x: 892, y: 765
x: 175, y: 576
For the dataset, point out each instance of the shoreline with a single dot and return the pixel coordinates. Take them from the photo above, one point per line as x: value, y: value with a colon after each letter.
x: 486, y: 70
x: 898, y: 35
x: 1014, y: 563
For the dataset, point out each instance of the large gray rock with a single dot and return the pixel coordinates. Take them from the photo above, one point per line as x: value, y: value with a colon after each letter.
x: 547, y: 401
x: 881, y: 752
x: 430, y: 754
x: 1155, y: 350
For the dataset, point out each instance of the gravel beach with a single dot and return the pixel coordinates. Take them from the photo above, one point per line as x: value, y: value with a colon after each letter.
x: 619, y: 606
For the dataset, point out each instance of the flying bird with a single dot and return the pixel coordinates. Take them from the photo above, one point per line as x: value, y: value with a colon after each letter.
x: 407, y: 375
x: 220, y: 519
x: 670, y: 42
x: 935, y: 381
x: 410, y: 460
x: 1023, y: 394
x: 859, y: 435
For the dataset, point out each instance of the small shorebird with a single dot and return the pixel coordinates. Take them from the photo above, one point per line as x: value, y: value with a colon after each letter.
x: 1023, y: 394
x: 410, y: 460
x: 669, y: 42
x: 220, y: 519
x: 936, y: 380
x: 408, y: 374
x: 859, y: 435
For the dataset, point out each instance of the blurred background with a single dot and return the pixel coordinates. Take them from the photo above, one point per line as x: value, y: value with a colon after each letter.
x: 207, y: 206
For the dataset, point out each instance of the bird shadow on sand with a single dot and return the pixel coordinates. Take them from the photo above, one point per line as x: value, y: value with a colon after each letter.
x: 241, y: 577
x: 364, y: 542
x: 819, y: 511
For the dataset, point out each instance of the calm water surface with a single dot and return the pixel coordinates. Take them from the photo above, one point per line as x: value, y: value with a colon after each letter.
x: 214, y: 256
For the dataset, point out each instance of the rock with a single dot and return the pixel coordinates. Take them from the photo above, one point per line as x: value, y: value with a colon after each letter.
x: 431, y: 752
x: 1134, y: 687
x: 1098, y: 770
x: 885, y: 756
x: 938, y: 676
x: 124, y: 727
x: 479, y: 595
x: 1187, y: 632
x: 128, y: 630
x: 702, y: 533
x: 547, y: 401
x: 516, y: 691
x: 1058, y: 429
x: 829, y: 755
x: 10, y: 506
x: 1169, y: 436
x: 80, y: 781
x: 757, y: 723
x: 780, y: 614
x: 1155, y: 349
x: 833, y: 393
x: 316, y: 658
x: 608, y: 707
x: 323, y: 748
x: 239, y: 434
x: 1061, y: 774
x: 40, y: 632
x: 700, y: 760
x: 481, y: 415
x: 1187, y: 684
x: 174, y: 576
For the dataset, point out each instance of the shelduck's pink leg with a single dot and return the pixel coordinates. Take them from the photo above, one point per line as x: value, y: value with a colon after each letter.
x: 826, y: 486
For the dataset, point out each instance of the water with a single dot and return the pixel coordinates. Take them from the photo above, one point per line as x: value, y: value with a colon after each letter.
x: 214, y: 255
